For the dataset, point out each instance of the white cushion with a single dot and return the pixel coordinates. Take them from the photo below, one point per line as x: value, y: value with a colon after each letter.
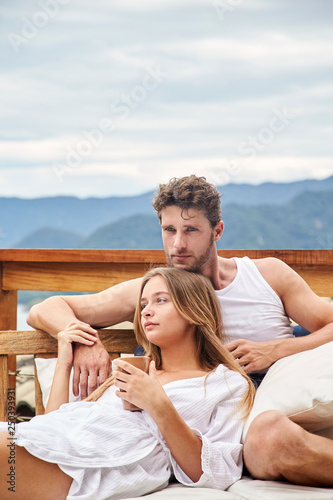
x: 45, y: 372
x: 301, y: 386
x: 177, y: 491
x: 254, y: 489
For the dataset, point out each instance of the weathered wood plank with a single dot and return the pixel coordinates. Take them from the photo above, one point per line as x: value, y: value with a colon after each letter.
x: 8, y: 309
x: 4, y: 386
x: 302, y: 257
x: 8, y: 320
x: 26, y: 342
x: 38, y: 342
x: 94, y: 276
x: 97, y: 256
x: 70, y: 277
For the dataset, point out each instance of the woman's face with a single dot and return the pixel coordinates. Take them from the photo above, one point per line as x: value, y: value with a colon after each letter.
x: 160, y: 320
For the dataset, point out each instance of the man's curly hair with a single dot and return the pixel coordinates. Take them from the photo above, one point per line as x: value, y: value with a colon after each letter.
x: 190, y: 192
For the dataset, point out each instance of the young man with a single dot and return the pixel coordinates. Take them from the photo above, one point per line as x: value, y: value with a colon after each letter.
x: 257, y: 299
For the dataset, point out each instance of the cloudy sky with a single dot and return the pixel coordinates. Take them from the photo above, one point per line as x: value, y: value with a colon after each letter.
x: 102, y: 98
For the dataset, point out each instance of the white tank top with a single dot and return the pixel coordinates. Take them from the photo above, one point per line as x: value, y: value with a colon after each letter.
x: 251, y: 309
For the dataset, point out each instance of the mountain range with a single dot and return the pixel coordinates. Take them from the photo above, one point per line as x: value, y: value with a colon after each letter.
x: 270, y: 215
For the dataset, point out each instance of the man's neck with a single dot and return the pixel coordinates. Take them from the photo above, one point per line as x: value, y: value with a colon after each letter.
x: 221, y: 272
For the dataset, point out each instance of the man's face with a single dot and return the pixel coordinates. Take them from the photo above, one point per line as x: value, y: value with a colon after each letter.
x: 188, y: 238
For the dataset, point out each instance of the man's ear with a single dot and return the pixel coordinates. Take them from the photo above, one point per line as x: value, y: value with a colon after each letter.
x: 218, y: 230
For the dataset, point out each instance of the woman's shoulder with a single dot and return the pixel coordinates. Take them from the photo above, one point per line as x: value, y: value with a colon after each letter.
x: 233, y: 378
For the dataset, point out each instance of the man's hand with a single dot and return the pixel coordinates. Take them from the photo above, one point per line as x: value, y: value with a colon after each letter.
x: 90, y: 362
x: 73, y: 333
x: 253, y: 356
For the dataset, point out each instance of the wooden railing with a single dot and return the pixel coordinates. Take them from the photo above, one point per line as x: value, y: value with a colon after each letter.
x: 95, y: 270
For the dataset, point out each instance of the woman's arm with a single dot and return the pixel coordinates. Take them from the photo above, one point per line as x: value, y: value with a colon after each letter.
x: 60, y: 386
x: 215, y: 458
x: 147, y: 393
x: 184, y: 445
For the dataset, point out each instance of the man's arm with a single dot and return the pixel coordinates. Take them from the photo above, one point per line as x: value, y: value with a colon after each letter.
x: 301, y: 304
x: 105, y: 308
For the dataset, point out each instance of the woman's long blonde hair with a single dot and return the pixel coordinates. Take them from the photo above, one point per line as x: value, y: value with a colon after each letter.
x: 195, y: 299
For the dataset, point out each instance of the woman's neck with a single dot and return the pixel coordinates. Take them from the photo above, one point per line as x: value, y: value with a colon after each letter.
x: 179, y: 368
x: 179, y: 359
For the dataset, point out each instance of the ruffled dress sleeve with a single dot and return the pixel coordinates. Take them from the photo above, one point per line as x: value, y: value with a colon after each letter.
x: 221, y: 455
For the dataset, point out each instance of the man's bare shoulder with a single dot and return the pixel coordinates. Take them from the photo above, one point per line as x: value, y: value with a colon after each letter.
x: 276, y: 272
x: 269, y: 263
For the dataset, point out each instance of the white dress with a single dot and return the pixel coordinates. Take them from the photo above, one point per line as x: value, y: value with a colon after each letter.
x: 111, y: 453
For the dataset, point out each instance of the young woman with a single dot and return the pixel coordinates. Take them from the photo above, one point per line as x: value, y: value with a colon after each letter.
x: 193, y: 401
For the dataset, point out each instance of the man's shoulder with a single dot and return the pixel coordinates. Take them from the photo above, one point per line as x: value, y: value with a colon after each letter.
x: 274, y: 271
x: 269, y: 263
x: 266, y: 262
x: 271, y: 269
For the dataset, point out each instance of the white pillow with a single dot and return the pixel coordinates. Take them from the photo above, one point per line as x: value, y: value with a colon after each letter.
x: 301, y: 386
x: 45, y: 372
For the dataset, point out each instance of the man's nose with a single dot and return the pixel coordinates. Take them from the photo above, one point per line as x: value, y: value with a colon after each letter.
x: 179, y: 241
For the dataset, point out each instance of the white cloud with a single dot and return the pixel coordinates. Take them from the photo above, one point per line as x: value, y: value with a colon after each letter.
x: 276, y: 51
x: 282, y: 169
x: 225, y: 81
x: 130, y: 178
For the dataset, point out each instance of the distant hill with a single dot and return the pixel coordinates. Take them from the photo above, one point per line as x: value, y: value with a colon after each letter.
x: 49, y: 237
x: 305, y: 222
x: 136, y: 232
x: 271, y: 193
x: 19, y: 218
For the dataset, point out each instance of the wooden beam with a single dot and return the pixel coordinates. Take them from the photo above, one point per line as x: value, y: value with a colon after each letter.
x: 8, y: 320
x: 70, y: 277
x: 4, y: 387
x: 101, y: 256
x: 88, y: 276
x: 38, y: 342
x: 302, y: 257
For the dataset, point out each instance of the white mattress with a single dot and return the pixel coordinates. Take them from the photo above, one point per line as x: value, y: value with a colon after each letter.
x: 244, y: 489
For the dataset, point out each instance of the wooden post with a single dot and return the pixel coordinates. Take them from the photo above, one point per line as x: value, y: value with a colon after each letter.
x: 8, y: 318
